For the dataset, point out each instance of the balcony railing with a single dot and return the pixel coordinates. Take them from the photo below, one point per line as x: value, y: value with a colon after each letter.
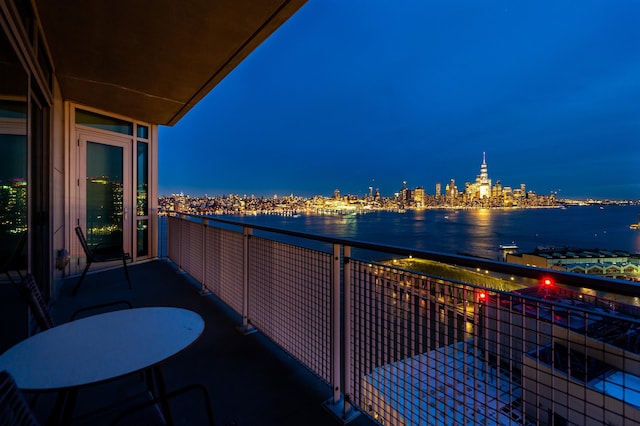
x: 405, y: 347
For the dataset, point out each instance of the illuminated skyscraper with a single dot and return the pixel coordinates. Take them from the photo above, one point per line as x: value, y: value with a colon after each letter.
x: 403, y: 192
x: 482, y: 180
x: 418, y: 197
x: 451, y: 190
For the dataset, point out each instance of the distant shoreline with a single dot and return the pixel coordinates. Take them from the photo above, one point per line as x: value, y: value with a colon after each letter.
x: 360, y: 211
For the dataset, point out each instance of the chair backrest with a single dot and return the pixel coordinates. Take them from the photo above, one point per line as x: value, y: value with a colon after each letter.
x: 83, y: 241
x: 39, y: 308
x: 14, y: 409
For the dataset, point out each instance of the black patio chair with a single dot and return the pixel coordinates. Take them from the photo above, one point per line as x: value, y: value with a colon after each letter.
x: 141, y: 412
x: 14, y: 409
x: 106, y: 253
x: 31, y: 293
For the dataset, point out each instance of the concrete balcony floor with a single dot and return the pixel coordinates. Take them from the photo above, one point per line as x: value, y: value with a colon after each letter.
x: 251, y: 382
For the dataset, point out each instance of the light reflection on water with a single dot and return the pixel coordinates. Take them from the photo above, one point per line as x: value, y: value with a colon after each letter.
x: 477, y: 232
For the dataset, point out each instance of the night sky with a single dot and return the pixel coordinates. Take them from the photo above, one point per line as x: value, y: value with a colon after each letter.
x: 355, y: 93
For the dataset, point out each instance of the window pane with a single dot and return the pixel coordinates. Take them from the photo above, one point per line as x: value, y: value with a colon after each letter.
x: 43, y: 61
x: 27, y: 17
x: 143, y: 132
x: 13, y: 158
x: 13, y: 184
x: 16, y: 110
x: 104, y: 194
x: 143, y: 237
x: 142, y: 204
x: 103, y: 122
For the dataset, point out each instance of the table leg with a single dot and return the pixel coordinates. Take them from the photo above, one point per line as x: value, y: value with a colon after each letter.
x: 162, y: 391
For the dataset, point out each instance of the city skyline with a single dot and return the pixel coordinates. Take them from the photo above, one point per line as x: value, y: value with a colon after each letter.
x: 352, y: 95
x: 481, y: 187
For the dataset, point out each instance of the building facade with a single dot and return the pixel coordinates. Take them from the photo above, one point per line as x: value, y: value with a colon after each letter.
x: 617, y: 264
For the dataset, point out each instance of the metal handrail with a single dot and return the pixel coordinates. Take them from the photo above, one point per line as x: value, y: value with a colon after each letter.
x: 567, y: 278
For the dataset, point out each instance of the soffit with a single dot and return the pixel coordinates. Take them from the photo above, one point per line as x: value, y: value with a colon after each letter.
x: 153, y: 61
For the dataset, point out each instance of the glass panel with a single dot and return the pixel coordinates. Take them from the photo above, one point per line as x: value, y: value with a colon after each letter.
x: 43, y: 61
x: 26, y: 16
x: 142, y: 203
x: 143, y: 132
x: 99, y: 121
x: 143, y: 237
x: 13, y: 160
x: 104, y: 194
x: 16, y: 110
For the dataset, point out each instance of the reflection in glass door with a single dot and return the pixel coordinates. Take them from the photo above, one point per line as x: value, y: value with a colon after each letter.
x: 104, y: 194
x: 13, y: 187
x: 13, y: 163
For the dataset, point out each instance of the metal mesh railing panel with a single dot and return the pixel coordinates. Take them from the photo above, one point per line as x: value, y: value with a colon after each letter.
x: 224, y: 265
x: 193, y: 249
x: 289, y: 300
x: 162, y: 237
x: 173, y: 239
x: 431, y: 351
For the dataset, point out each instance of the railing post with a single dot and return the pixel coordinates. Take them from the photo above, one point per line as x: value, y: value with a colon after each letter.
x: 346, y: 321
x: 337, y: 404
x: 181, y: 232
x: 246, y: 327
x: 203, y: 287
x: 335, y: 325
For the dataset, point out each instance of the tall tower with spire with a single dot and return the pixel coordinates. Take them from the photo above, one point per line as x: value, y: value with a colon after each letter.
x: 482, y: 180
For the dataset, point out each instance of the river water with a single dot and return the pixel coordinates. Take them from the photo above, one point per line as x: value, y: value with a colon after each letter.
x: 477, y: 232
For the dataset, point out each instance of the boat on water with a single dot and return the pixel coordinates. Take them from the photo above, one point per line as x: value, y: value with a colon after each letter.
x: 512, y: 246
x: 507, y: 249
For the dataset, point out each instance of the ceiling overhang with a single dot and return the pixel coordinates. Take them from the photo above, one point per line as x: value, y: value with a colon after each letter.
x: 153, y: 61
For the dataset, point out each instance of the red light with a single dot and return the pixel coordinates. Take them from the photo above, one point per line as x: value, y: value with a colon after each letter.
x: 547, y: 281
x: 482, y: 296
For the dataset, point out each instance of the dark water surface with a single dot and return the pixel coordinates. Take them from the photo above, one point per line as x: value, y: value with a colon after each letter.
x: 475, y: 232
